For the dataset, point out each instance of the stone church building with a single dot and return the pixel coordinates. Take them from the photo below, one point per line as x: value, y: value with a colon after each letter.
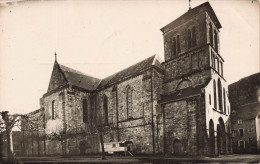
x: 179, y: 106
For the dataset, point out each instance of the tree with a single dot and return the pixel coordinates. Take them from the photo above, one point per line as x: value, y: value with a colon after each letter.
x: 7, y: 122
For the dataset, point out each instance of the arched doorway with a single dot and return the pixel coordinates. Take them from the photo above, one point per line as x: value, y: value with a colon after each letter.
x: 221, y: 136
x: 177, y: 147
x: 211, y: 137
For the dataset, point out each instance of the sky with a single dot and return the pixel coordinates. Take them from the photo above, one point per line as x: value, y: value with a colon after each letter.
x: 102, y: 37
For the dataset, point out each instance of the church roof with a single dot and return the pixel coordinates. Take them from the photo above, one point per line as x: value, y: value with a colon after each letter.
x: 194, y: 11
x: 131, y: 71
x: 79, y: 79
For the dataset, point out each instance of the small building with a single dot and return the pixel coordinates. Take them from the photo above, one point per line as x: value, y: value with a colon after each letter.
x: 245, y: 107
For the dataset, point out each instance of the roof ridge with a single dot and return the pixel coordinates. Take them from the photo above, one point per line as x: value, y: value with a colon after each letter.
x: 76, y: 71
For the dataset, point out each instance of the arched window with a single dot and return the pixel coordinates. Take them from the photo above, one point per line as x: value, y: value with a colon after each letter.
x: 189, y: 38
x: 213, y: 60
x: 105, y: 108
x: 85, y: 110
x: 224, y: 98
x: 194, y: 40
x: 216, y: 40
x: 220, y: 95
x: 215, y: 95
x: 210, y: 34
x: 178, y: 44
x: 174, y: 46
x: 129, y: 101
x: 53, y: 110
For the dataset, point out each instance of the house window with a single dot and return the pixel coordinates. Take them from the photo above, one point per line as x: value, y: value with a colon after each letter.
x: 129, y: 100
x: 250, y: 130
x: 105, y: 108
x: 233, y: 133
x: 178, y: 44
x: 239, y: 121
x: 189, y: 38
x: 53, y: 110
x: 113, y: 145
x: 194, y: 36
x: 85, y: 110
x: 215, y: 95
x: 241, y: 132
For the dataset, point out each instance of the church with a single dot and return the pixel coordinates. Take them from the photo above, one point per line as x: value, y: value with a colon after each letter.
x: 177, y: 106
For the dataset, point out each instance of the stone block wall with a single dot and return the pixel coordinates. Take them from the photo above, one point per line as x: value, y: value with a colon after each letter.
x: 198, y: 22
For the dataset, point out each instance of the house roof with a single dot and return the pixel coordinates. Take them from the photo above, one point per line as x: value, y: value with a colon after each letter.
x: 194, y: 11
x: 130, y: 71
x: 79, y: 79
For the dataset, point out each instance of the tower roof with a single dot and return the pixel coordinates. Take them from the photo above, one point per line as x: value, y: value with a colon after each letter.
x: 194, y: 11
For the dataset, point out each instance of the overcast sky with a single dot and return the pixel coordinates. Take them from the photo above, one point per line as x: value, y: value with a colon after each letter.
x: 103, y: 37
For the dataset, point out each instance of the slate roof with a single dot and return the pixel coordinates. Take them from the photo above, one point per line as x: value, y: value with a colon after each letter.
x: 130, y: 71
x: 79, y: 79
x: 194, y: 11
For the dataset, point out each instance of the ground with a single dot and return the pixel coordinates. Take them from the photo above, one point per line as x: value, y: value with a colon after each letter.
x: 234, y: 158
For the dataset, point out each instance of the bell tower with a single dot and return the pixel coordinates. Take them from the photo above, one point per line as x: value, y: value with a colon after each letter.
x: 191, y: 46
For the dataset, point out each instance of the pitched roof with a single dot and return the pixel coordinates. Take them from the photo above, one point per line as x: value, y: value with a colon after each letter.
x: 201, y: 8
x: 79, y: 79
x: 130, y: 71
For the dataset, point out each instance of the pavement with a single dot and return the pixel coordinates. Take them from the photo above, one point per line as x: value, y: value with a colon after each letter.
x: 234, y: 158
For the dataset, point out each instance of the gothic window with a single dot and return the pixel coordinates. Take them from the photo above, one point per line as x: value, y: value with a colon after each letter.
x: 213, y: 60
x: 129, y: 102
x: 224, y: 98
x: 174, y: 46
x: 194, y: 36
x: 105, y: 108
x: 85, y: 110
x: 53, y: 110
x: 178, y: 44
x: 189, y: 38
x: 215, y: 94
x: 220, y: 95
x: 210, y: 34
x: 216, y: 40
x: 209, y: 99
x: 221, y: 70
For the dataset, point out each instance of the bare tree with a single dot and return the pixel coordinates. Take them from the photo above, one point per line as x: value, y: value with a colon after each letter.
x: 7, y: 122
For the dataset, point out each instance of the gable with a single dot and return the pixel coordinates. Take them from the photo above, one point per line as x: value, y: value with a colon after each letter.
x: 57, y: 78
